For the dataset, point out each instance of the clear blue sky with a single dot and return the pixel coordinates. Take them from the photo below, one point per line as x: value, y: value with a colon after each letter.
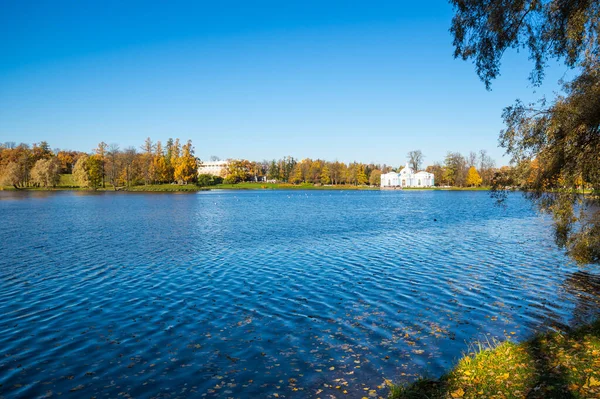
x: 346, y: 80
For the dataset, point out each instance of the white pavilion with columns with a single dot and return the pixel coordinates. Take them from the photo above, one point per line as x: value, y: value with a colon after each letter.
x: 407, y: 178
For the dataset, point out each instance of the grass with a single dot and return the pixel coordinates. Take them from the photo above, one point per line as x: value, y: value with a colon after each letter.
x: 554, y: 365
x: 68, y: 183
x: 287, y: 186
x: 166, y: 188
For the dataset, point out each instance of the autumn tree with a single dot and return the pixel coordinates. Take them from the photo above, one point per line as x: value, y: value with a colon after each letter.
x: 473, y: 178
x: 46, y: 172
x: 296, y: 175
x: 12, y: 175
x: 80, y: 171
x: 361, y: 176
x: 186, y: 166
x: 324, y: 177
x: 67, y: 160
x: 562, y: 134
x: 95, y: 171
x: 160, y: 171
x: 237, y: 171
x: 439, y: 173
x: 375, y: 178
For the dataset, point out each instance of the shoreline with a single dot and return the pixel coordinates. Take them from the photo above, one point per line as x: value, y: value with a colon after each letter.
x: 559, y: 364
x: 191, y: 188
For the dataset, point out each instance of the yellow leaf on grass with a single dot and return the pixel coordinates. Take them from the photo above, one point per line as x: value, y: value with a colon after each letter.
x: 594, y: 382
x: 459, y: 393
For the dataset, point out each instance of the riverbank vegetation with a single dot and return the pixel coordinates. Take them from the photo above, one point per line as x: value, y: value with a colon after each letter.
x: 153, y: 166
x: 554, y: 365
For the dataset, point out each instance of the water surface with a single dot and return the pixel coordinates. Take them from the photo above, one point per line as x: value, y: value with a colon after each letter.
x: 265, y: 294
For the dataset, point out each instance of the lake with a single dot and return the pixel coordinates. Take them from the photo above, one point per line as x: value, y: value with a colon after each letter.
x: 267, y: 293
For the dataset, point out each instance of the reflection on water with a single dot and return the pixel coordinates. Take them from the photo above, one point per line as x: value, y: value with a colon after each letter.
x: 288, y: 293
x: 585, y: 287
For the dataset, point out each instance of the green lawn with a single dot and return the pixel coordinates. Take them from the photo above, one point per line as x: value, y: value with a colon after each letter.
x: 166, y: 188
x: 554, y: 365
x: 287, y: 186
x: 68, y: 183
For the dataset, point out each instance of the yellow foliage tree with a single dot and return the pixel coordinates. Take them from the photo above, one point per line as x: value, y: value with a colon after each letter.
x: 186, y: 166
x: 473, y: 178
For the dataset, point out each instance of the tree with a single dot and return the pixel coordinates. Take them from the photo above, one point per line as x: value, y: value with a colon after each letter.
x: 113, y: 165
x: 186, y: 166
x: 486, y: 167
x: 13, y: 175
x: 95, y: 171
x: 273, y: 171
x: 473, y: 178
x: 566, y: 30
x: 159, y: 168
x: 146, y: 161
x: 128, y: 159
x: 415, y: 159
x: 562, y: 135
x: 296, y: 175
x: 438, y: 172
x: 361, y: 176
x: 375, y: 178
x: 46, y: 172
x: 101, y: 158
x: 455, y: 169
x: 324, y: 178
x: 80, y: 171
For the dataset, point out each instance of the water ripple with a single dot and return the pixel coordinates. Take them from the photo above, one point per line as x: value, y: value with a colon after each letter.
x: 242, y: 294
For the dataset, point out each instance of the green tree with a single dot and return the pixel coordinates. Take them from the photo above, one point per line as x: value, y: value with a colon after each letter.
x: 95, y: 171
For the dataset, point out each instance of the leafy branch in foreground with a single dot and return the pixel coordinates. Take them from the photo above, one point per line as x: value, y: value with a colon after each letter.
x: 562, y: 140
x: 555, y: 146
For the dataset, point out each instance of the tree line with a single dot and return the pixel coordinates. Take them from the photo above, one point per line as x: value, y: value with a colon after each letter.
x: 154, y: 163
x: 40, y: 166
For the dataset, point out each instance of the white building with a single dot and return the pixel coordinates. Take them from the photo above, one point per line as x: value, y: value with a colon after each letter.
x: 215, y: 168
x: 407, y: 178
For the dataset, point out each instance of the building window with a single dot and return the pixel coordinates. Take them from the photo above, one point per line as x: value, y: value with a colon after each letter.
x: 419, y: 182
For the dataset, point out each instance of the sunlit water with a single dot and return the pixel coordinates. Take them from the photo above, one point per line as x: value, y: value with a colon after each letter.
x: 258, y: 294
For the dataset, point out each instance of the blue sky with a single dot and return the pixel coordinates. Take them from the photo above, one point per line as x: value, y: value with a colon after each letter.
x: 346, y: 80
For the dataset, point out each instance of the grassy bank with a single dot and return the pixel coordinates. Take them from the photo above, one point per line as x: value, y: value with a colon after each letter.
x: 554, y: 365
x: 68, y: 183
x: 287, y: 186
x: 167, y: 188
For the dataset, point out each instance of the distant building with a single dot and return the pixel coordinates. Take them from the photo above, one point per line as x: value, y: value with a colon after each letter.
x: 215, y: 168
x: 407, y: 178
